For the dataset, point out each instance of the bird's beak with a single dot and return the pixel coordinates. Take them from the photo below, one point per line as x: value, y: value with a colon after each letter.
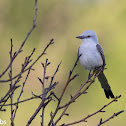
x: 80, y: 37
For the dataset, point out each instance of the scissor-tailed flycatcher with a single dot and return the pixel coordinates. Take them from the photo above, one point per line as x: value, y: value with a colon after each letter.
x: 91, y: 57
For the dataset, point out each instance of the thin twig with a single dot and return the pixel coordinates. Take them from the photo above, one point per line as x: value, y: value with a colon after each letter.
x: 20, y: 49
x: 21, y: 93
x: 52, y: 119
x: 111, y: 117
x: 43, y: 91
x: 59, y: 100
x: 43, y: 53
x: 55, y: 73
x: 9, y: 91
x: 31, y: 98
x: 79, y: 93
x: 44, y: 94
x: 13, y: 87
x: 10, y: 76
x: 90, y: 115
x: 4, y: 104
x: 35, y: 113
x: 23, y: 69
x: 27, y: 60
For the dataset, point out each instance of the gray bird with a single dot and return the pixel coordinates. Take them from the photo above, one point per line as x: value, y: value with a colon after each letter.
x: 91, y: 57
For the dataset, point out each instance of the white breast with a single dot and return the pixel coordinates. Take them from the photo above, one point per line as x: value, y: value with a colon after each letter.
x: 90, y: 57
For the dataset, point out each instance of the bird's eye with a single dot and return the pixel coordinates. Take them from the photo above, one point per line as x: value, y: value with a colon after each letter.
x: 88, y: 36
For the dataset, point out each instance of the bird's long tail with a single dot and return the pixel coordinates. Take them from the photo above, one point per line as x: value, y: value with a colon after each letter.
x: 105, y: 85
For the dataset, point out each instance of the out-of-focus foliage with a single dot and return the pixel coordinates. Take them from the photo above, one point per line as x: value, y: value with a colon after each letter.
x: 63, y: 20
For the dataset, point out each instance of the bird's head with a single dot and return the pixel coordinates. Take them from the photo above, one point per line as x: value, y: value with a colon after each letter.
x: 89, y: 34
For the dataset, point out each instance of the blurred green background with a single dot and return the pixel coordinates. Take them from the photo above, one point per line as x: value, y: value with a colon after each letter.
x: 63, y: 20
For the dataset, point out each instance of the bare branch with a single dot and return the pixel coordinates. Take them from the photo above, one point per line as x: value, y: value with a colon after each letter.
x: 7, y: 94
x: 47, y: 95
x: 43, y: 92
x: 100, y: 110
x: 36, y: 112
x: 20, y: 49
x: 21, y: 92
x: 111, y: 117
x: 50, y: 43
x: 78, y: 94
x: 59, y: 101
x: 10, y: 76
x: 31, y: 98
x: 55, y: 73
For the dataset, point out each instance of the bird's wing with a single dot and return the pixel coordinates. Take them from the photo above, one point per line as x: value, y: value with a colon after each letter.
x: 100, y: 50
